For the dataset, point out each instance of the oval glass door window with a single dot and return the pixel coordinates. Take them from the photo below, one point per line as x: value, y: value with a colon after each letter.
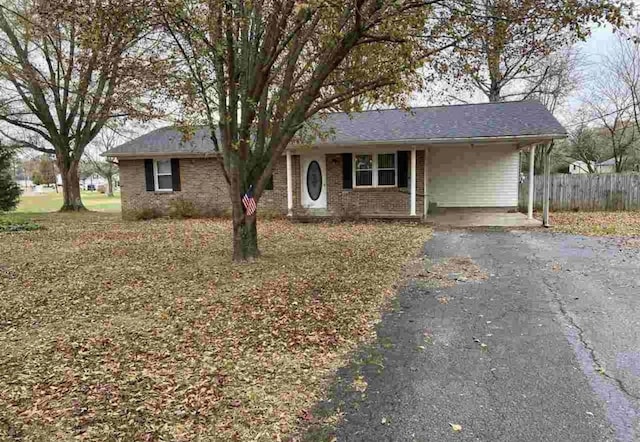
x: 314, y: 180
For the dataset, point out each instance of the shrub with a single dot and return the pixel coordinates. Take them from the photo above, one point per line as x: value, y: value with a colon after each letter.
x: 9, y: 189
x: 270, y: 214
x: 10, y: 224
x: 181, y: 208
x: 145, y: 213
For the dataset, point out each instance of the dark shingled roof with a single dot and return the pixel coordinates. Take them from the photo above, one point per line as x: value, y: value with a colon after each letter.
x: 438, y: 123
x: 166, y: 140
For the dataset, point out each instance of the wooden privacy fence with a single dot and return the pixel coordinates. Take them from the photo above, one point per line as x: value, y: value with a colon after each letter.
x: 587, y: 192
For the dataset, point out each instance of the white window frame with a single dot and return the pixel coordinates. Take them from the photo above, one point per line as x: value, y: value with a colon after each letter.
x: 156, y: 173
x: 374, y: 170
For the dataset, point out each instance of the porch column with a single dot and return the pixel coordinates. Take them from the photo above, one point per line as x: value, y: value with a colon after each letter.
x: 289, y: 185
x: 532, y: 164
x: 547, y: 185
x: 425, y: 184
x: 412, y: 211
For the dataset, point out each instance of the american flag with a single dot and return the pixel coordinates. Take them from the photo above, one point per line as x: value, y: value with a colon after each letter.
x: 248, y: 202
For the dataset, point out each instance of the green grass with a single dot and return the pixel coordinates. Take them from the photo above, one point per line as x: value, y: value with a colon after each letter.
x: 51, y: 202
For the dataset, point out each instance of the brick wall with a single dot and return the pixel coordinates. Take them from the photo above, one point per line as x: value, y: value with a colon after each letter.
x: 341, y: 202
x: 202, y: 182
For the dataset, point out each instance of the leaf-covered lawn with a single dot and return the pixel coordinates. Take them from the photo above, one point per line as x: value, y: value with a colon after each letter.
x: 146, y: 331
x: 626, y: 224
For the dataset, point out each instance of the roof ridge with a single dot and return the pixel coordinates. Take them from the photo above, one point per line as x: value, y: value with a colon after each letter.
x: 409, y: 109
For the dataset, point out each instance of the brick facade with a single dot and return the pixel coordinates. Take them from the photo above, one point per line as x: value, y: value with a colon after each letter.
x: 203, y: 183
x: 369, y: 201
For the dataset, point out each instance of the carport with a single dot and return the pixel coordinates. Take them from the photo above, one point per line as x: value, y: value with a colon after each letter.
x: 443, y: 164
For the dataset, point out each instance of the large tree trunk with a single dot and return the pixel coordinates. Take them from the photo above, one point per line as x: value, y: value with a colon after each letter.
x: 110, y: 186
x: 70, y: 187
x: 245, y: 237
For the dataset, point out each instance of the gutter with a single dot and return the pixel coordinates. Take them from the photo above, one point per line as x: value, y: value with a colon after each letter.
x: 531, y: 139
x: 143, y: 155
x: 467, y: 140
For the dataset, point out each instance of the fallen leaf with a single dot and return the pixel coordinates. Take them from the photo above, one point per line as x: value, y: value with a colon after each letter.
x: 187, y: 342
x: 359, y: 384
x: 456, y: 427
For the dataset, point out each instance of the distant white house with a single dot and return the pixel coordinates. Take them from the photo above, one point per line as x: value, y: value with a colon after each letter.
x: 578, y: 167
x: 91, y: 182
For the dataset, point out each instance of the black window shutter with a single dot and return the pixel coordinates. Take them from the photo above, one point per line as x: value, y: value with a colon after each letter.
x: 148, y: 175
x: 175, y: 173
x: 347, y: 171
x: 269, y: 185
x: 403, y: 168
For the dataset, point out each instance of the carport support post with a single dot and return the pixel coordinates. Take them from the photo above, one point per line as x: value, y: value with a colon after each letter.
x: 289, y: 186
x: 532, y: 166
x: 547, y: 185
x: 413, y: 182
x: 425, y: 184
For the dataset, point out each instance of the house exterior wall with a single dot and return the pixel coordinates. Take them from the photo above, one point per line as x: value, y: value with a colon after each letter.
x: 202, y: 183
x: 578, y: 167
x: 458, y: 177
x: 366, y: 201
x: 606, y: 168
x: 481, y: 176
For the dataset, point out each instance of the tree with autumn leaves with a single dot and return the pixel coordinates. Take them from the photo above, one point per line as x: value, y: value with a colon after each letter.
x: 511, y: 55
x: 67, y: 67
x: 257, y: 73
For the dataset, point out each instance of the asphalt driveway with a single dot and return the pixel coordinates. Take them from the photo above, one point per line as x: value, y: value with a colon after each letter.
x: 546, y: 349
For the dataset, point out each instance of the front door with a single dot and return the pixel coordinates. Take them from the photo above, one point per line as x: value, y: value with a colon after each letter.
x: 314, y: 182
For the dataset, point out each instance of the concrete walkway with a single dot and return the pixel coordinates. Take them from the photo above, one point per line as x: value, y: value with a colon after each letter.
x: 471, y: 218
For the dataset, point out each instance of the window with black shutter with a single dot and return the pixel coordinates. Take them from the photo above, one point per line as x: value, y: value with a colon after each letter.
x: 375, y: 170
x: 403, y: 168
x: 347, y: 171
x: 175, y: 174
x: 162, y: 175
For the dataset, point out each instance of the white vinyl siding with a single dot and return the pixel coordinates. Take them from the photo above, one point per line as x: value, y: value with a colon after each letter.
x: 478, y: 176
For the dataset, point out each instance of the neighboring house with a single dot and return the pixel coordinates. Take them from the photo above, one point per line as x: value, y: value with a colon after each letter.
x: 91, y: 182
x: 95, y: 181
x: 578, y: 167
x: 379, y: 163
x: 608, y: 166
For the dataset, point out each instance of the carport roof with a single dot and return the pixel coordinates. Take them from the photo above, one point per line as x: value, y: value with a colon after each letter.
x: 487, y: 121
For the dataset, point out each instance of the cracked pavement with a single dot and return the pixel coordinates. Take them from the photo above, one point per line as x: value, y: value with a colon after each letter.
x: 559, y: 318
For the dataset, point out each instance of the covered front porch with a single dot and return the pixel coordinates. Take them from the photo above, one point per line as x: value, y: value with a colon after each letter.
x: 456, y: 184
